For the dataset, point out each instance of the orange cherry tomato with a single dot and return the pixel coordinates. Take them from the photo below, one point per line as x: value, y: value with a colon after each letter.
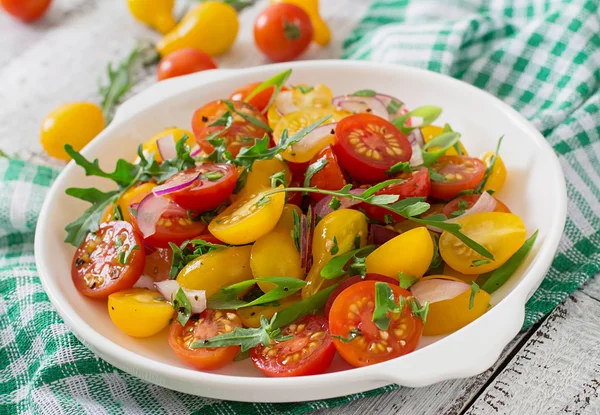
x: 460, y: 173
x: 26, y: 10
x: 260, y: 100
x: 367, y: 145
x: 109, y: 260
x: 353, y: 310
x: 330, y: 177
x: 184, y: 62
x: 240, y: 134
x: 209, y: 324
x: 283, y: 32
x: 468, y: 201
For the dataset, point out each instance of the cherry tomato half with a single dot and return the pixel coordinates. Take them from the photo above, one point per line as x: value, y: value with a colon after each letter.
x: 183, y: 62
x: 330, y: 177
x: 353, y: 310
x: 109, y: 260
x: 367, y: 146
x: 415, y: 184
x: 26, y: 10
x: 309, y: 352
x: 240, y: 134
x: 209, y: 324
x: 260, y: 100
x: 213, y: 186
x: 353, y: 280
x: 283, y: 32
x: 459, y: 172
x: 466, y: 202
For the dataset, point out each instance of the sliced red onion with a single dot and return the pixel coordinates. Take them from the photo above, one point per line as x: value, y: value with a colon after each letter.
x: 386, y: 99
x: 362, y: 104
x: 284, y: 103
x: 485, y: 203
x: 322, y: 206
x: 166, y: 147
x: 437, y: 289
x: 303, y: 242
x: 416, y: 138
x: 176, y: 183
x: 169, y: 288
x: 316, y: 140
x: 149, y: 211
x: 381, y: 234
x: 195, y: 151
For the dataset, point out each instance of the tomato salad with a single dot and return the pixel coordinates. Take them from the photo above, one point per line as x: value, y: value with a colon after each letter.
x: 290, y: 225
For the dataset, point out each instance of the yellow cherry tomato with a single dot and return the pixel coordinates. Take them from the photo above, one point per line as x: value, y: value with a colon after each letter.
x: 275, y: 254
x: 248, y: 219
x: 156, y: 13
x: 319, y: 97
x: 150, y: 146
x: 212, y: 27
x: 259, y: 178
x: 454, y: 273
x: 217, y: 269
x: 432, y: 131
x: 410, y: 252
x: 449, y: 315
x: 500, y: 233
x: 139, y: 312
x: 133, y: 195
x: 321, y: 32
x: 250, y: 316
x: 75, y: 124
x: 497, y: 176
x: 344, y: 225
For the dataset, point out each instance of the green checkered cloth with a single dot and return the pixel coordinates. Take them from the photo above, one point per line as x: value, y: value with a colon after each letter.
x: 542, y: 58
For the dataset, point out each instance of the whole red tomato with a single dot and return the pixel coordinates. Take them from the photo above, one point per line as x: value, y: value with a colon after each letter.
x: 26, y: 10
x: 283, y: 31
x: 184, y: 62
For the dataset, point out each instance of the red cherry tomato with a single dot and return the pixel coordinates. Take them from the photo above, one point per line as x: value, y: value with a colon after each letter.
x: 353, y: 280
x: 209, y: 324
x: 295, y: 198
x: 26, y: 10
x: 416, y: 184
x: 260, y: 100
x: 466, y: 202
x: 298, y: 169
x: 109, y: 260
x: 283, y: 32
x: 353, y: 310
x: 309, y: 352
x: 459, y: 173
x: 213, y: 186
x: 240, y: 134
x: 367, y: 146
x: 330, y: 177
x: 184, y: 62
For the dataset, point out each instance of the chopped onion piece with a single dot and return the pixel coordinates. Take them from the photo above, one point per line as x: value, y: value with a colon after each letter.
x: 169, y: 288
x: 176, y: 183
x: 145, y: 281
x: 316, y: 140
x: 284, y: 103
x: 416, y: 137
x: 485, y: 203
x: 362, y: 104
x: 322, y: 206
x: 437, y: 289
x: 166, y: 147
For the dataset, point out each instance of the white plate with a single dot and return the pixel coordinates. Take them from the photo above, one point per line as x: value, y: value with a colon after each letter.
x: 479, y: 116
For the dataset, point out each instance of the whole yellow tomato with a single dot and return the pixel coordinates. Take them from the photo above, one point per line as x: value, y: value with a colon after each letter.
x: 75, y: 124
x: 497, y: 177
x: 139, y: 312
x: 156, y: 13
x: 150, y: 146
x: 133, y: 195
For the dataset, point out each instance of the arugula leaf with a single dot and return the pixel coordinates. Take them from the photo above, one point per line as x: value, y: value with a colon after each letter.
x: 351, y: 262
x: 296, y: 231
x: 182, y: 305
x: 224, y: 120
x: 187, y: 252
x: 303, y: 88
x: 245, y: 338
x: 242, y: 355
x: 364, y: 93
x: 123, y: 175
x: 406, y: 281
x: 428, y: 113
x: 418, y: 310
x: 400, y: 167
x: 442, y: 143
x: 125, y: 255
x: 388, y: 219
x: 352, y: 334
x: 335, y: 248
x: 490, y: 168
x: 313, y: 169
x: 474, y: 290
x: 435, y: 176
x: 117, y: 213
x: 248, y: 117
x: 278, y: 179
x: 278, y: 81
x: 335, y: 203
x: 436, y: 260
x: 310, y: 305
x: 89, y: 221
x: 462, y: 208
x: 384, y: 303
x: 394, y: 106
x: 228, y: 298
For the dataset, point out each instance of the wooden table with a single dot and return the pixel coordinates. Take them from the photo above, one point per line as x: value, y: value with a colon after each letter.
x: 553, y: 367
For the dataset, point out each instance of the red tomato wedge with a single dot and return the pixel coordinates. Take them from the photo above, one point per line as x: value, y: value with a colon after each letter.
x: 415, y: 184
x: 367, y: 146
x: 330, y: 177
x: 468, y: 201
x: 260, y: 100
x: 353, y: 310
x: 309, y: 352
x: 459, y: 173
x: 209, y: 324
x: 213, y: 186
x: 240, y: 134
x: 109, y: 260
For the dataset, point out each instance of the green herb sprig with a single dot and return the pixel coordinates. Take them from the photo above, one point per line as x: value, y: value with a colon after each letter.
x: 188, y: 251
x: 351, y: 262
x: 277, y: 81
x: 385, y: 303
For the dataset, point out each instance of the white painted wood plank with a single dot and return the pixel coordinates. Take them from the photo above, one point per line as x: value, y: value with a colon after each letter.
x: 592, y: 287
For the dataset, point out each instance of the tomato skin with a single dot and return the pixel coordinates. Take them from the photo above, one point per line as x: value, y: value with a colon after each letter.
x: 96, y: 271
x: 183, y: 62
x: 260, y: 100
x: 452, y: 206
x: 205, y: 194
x: 210, y: 323
x: 330, y: 177
x: 370, y: 347
x: 283, y: 32
x: 236, y: 136
x: 367, y: 146
x: 416, y: 184
x: 26, y: 10
x: 314, y: 360
x: 353, y: 280
x: 457, y: 175
x: 139, y: 312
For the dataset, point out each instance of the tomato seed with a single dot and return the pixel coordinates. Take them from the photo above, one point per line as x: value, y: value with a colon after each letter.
x: 384, y: 334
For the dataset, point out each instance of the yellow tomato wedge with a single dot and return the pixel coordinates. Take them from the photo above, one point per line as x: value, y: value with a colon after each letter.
x: 251, y: 315
x: 150, y: 146
x: 410, y: 252
x: 497, y: 177
x: 139, y: 312
x: 259, y: 178
x: 500, y: 233
x: 133, y: 195
x: 217, y: 269
x: 320, y: 96
x: 275, y: 254
x: 248, y: 219
x: 448, y: 271
x: 449, y: 300
x: 432, y: 131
